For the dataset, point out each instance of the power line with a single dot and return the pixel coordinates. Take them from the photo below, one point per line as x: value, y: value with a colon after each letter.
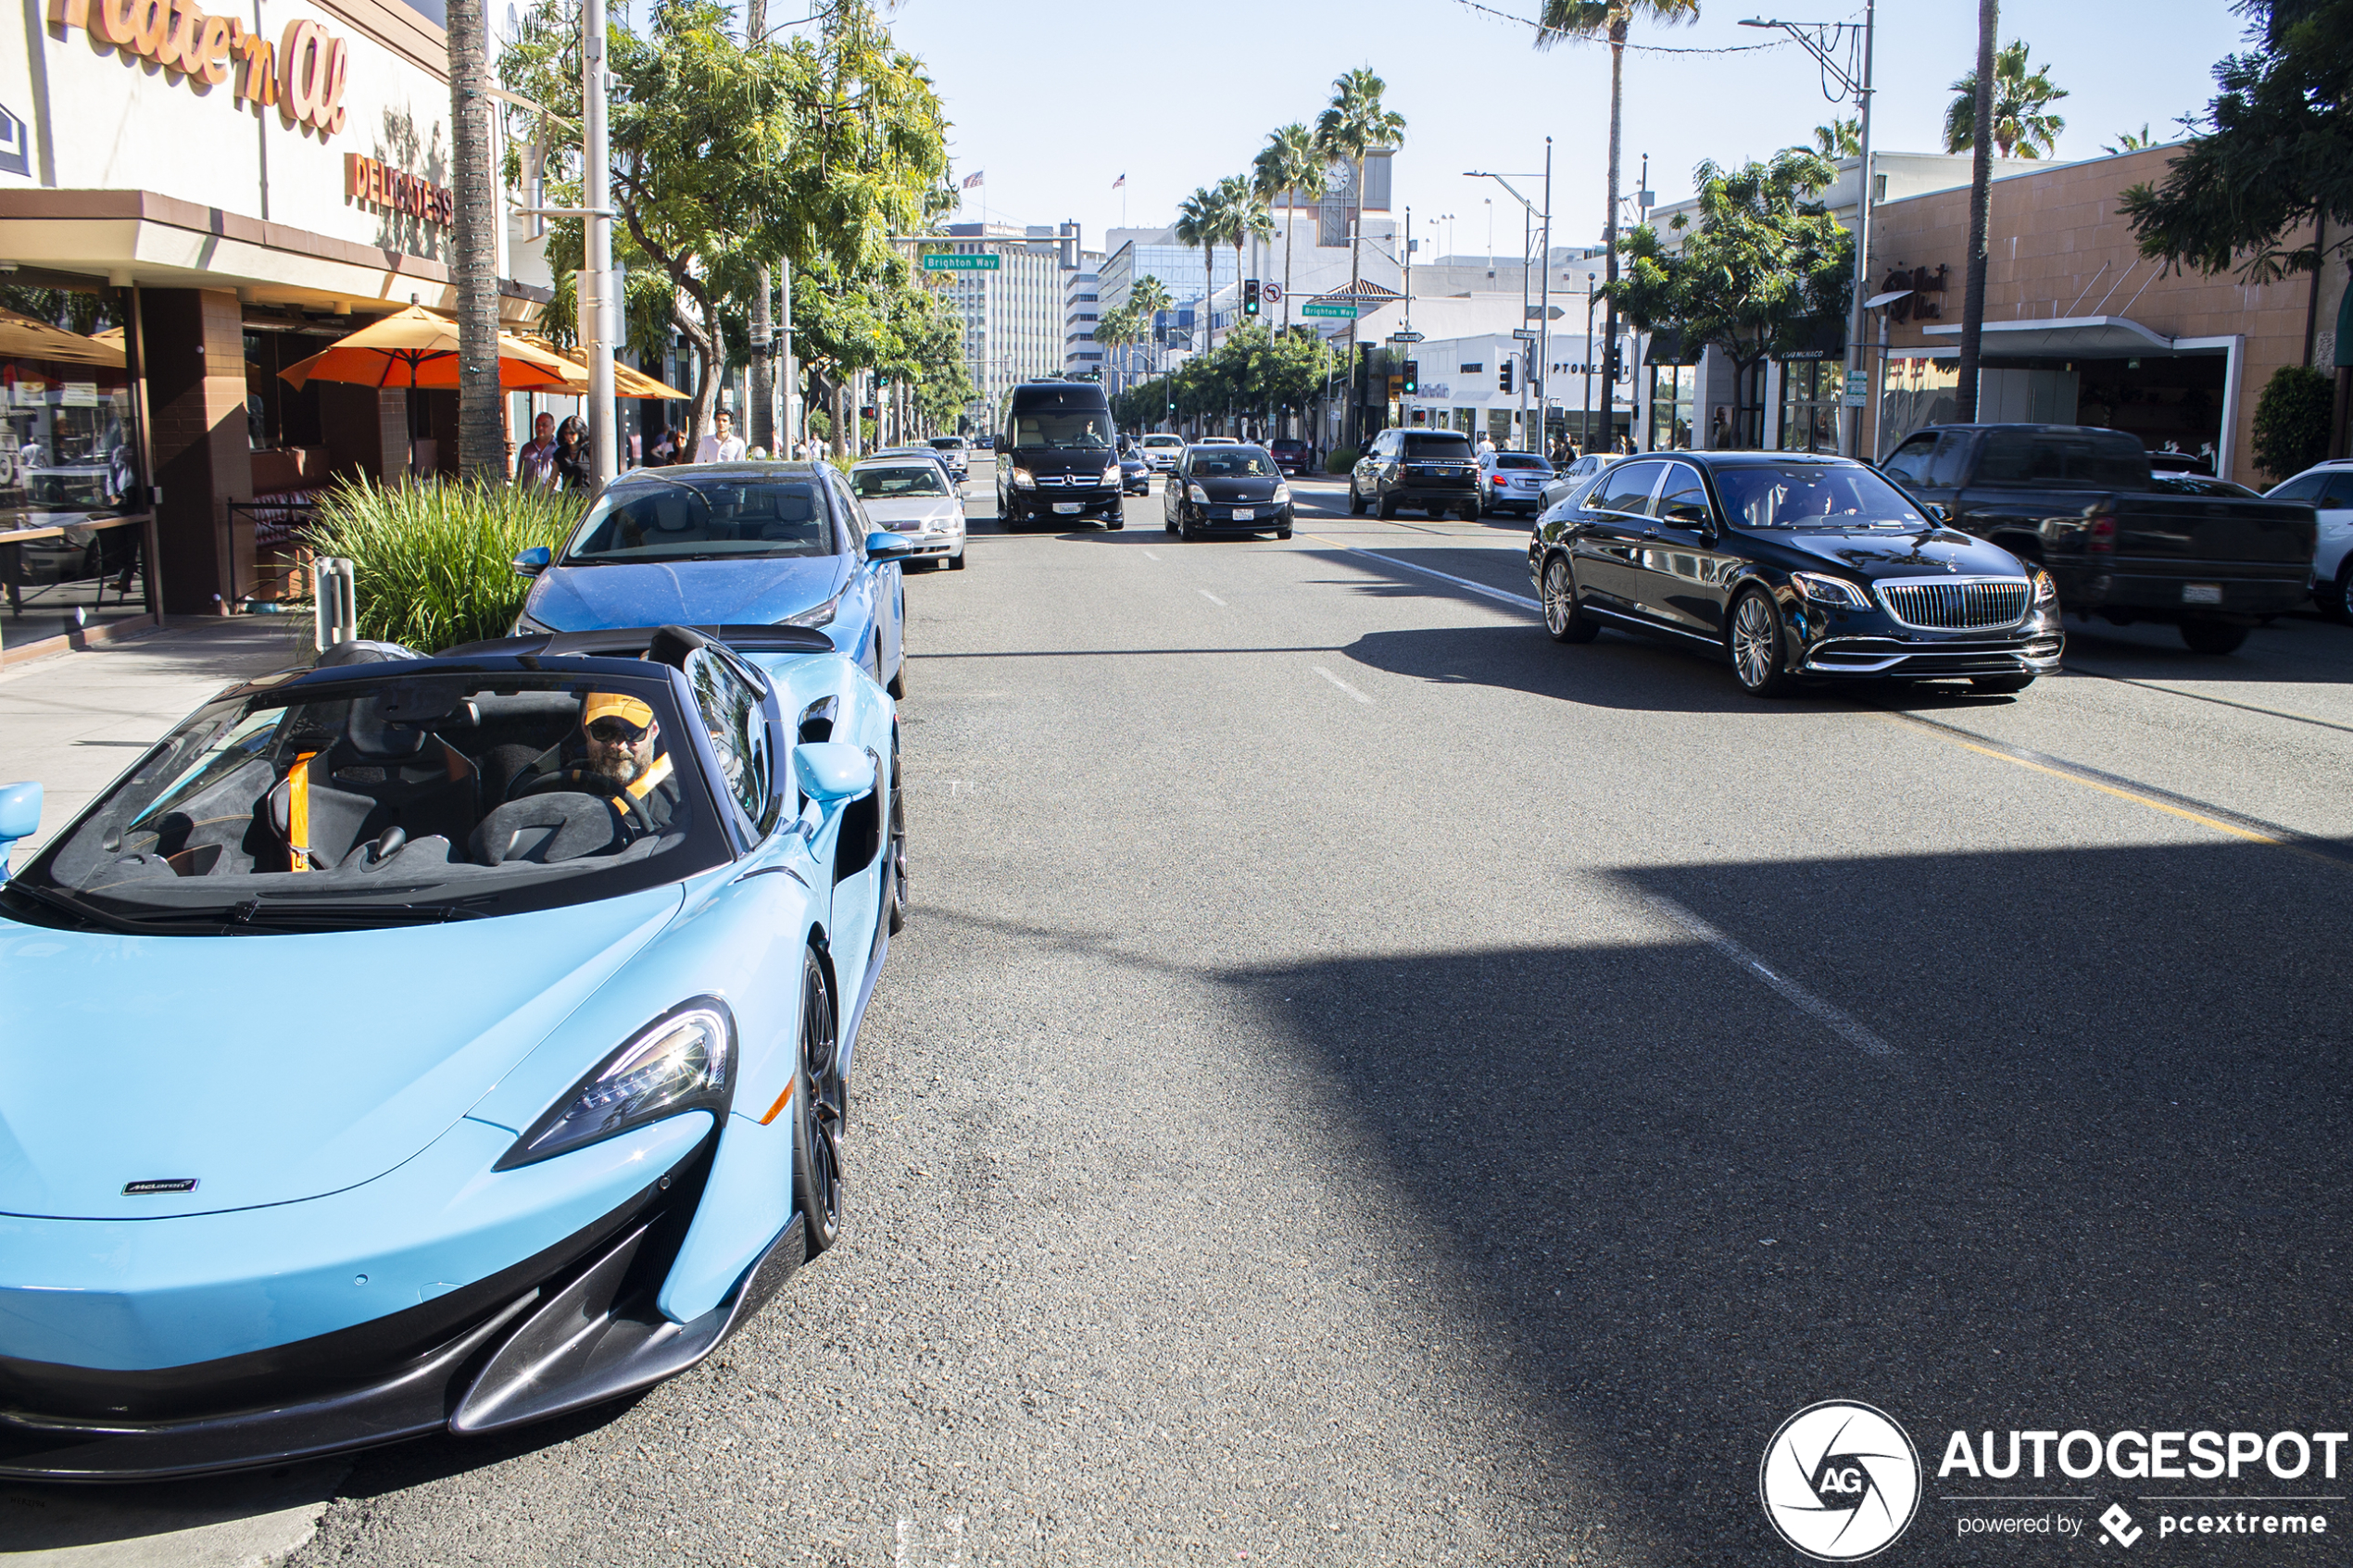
x: 1636, y: 48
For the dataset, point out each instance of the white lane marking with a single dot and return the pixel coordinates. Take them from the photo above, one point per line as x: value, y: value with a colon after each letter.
x: 1343, y: 685
x: 1515, y: 600
x: 1805, y: 1001
x: 1211, y: 597
x: 1149, y: 555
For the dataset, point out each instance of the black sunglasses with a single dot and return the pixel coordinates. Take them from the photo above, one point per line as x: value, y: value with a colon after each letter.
x: 611, y: 730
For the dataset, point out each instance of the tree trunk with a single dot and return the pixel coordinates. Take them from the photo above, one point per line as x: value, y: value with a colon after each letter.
x: 760, y: 429
x: 844, y: 411
x: 1981, y: 196
x: 1290, y: 220
x: 1609, y: 230
x: 1209, y: 297
x: 482, y: 433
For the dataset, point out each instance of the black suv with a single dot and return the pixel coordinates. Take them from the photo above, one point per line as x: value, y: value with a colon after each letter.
x: 1434, y: 470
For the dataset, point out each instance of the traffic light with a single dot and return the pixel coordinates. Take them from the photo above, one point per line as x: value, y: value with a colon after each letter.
x: 1503, y: 377
x: 1412, y: 377
x: 1610, y: 364
x: 1250, y: 296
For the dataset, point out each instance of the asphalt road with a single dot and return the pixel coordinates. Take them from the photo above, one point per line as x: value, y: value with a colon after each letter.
x: 1364, y: 1084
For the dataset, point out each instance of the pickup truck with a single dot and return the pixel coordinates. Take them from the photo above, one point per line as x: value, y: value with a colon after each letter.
x: 2078, y: 501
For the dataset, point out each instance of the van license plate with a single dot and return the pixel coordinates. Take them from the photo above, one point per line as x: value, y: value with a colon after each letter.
x: 1066, y: 509
x: 2201, y: 593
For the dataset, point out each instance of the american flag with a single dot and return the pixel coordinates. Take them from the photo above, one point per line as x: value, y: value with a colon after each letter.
x: 973, y: 179
x: 1118, y: 182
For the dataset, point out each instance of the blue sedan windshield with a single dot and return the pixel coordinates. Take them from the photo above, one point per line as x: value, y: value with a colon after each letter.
x: 1811, y: 495
x: 710, y: 519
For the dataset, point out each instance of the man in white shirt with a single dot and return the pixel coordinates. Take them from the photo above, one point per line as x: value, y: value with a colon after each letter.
x: 722, y: 444
x: 1485, y: 446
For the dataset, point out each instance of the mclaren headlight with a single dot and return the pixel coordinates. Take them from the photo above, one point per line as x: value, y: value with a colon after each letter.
x: 821, y: 616
x: 1025, y: 480
x: 1833, y: 591
x: 2045, y: 589
x: 527, y: 627
x: 684, y: 1061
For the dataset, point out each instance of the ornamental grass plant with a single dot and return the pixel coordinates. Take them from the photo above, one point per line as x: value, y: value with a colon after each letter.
x: 433, y: 559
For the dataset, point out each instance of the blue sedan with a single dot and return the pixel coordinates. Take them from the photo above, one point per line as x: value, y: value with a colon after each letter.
x: 729, y: 544
x: 420, y: 1044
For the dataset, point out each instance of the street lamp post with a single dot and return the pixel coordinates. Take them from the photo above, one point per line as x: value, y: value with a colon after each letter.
x: 1585, y: 422
x: 1854, y: 78
x: 1544, y: 300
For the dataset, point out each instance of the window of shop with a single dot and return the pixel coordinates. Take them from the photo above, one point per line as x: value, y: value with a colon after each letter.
x: 1674, y: 393
x: 1809, y: 405
x: 72, y: 502
x: 1915, y: 394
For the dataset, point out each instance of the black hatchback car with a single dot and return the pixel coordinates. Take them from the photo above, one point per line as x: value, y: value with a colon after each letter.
x: 1222, y: 489
x: 1793, y: 568
x: 1433, y: 470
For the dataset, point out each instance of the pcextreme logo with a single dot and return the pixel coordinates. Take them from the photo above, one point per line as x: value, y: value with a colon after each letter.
x: 1840, y: 1481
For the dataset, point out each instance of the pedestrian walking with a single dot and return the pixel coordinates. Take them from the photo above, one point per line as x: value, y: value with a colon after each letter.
x: 573, y: 459
x: 535, y: 462
x: 722, y: 444
x: 1485, y: 446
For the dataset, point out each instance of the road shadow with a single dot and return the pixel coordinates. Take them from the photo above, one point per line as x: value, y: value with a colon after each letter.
x: 248, y: 1517
x: 2295, y: 650
x: 2099, y: 1183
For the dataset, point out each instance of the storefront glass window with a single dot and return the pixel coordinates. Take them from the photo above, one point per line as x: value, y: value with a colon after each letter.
x: 1915, y: 394
x: 68, y: 480
x: 1674, y: 393
x: 1809, y: 405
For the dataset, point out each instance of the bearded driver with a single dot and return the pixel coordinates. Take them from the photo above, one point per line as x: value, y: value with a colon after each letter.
x: 617, y: 755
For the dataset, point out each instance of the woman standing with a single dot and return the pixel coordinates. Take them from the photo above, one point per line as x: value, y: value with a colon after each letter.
x: 573, y: 457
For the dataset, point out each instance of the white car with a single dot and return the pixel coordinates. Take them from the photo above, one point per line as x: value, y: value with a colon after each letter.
x: 1161, y: 451
x: 908, y: 495
x: 956, y: 450
x: 1572, y: 480
x: 2327, y: 488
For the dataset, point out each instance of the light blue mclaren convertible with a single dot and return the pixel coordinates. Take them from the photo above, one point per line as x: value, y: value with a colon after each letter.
x: 415, y: 1044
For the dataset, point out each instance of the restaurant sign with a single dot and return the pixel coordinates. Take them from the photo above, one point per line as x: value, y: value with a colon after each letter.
x: 302, y: 73
x: 379, y: 184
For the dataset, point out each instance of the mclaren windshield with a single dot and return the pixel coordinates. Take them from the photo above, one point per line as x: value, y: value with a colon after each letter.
x: 389, y: 799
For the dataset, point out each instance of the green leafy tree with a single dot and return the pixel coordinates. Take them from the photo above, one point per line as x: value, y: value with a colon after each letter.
x: 1357, y: 123
x: 1245, y: 217
x: 1149, y: 297
x: 2022, y: 125
x: 2292, y: 421
x: 1290, y: 170
x: 1114, y: 329
x: 1839, y: 138
x: 2132, y: 141
x: 2274, y: 155
x: 1766, y: 268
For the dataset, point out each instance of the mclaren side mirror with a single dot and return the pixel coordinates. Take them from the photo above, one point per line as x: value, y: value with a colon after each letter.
x: 19, y: 818
x: 887, y: 546
x: 533, y: 561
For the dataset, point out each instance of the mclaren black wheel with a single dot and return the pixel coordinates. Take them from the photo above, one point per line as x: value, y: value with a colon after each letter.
x: 823, y: 1101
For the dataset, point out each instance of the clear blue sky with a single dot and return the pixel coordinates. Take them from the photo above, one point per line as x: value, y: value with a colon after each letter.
x: 1055, y: 99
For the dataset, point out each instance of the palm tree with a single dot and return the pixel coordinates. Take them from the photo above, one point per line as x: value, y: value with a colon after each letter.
x: 482, y: 426
x: 1147, y: 296
x: 2021, y: 125
x: 1246, y: 220
x: 1561, y: 21
x: 1200, y: 223
x: 1839, y: 138
x: 1356, y: 123
x: 2132, y: 142
x: 1114, y: 329
x: 1288, y: 168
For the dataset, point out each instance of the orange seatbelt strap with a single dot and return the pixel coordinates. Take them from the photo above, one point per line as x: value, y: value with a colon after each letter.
x: 652, y: 776
x: 298, y: 812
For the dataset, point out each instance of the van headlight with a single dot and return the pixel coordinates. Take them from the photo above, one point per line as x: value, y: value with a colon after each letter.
x: 1025, y: 480
x: 1111, y: 474
x: 684, y: 1061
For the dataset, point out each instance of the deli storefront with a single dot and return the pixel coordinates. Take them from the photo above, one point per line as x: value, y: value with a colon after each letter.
x: 190, y: 202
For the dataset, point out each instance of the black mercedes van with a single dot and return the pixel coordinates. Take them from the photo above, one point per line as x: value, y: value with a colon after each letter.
x: 1056, y: 459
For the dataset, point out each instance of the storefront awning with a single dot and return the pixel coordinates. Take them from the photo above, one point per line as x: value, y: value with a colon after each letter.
x: 2075, y: 337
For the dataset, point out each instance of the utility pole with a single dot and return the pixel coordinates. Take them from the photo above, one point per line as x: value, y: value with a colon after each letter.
x: 1858, y: 319
x: 599, y: 325
x: 1544, y: 303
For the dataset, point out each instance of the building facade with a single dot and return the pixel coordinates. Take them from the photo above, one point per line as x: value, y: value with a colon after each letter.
x: 1016, y: 313
x: 216, y: 196
x: 1081, y: 308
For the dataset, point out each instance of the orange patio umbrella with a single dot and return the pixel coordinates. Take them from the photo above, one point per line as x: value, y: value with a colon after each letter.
x: 626, y: 382
x: 417, y: 348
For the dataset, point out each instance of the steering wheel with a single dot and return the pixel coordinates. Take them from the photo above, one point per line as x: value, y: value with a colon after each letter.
x: 579, y: 780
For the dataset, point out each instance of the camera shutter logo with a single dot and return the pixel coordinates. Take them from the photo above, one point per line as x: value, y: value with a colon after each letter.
x: 1840, y: 1481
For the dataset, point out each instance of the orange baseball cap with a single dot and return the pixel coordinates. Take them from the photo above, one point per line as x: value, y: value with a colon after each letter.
x: 612, y: 705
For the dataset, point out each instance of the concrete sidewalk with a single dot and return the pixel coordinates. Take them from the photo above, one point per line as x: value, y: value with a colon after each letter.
x: 74, y: 720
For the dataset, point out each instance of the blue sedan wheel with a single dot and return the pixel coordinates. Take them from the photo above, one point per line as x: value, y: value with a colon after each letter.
x: 824, y: 1100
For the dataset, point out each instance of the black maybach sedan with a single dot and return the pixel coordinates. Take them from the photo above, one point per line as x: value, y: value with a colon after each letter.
x: 1795, y: 568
